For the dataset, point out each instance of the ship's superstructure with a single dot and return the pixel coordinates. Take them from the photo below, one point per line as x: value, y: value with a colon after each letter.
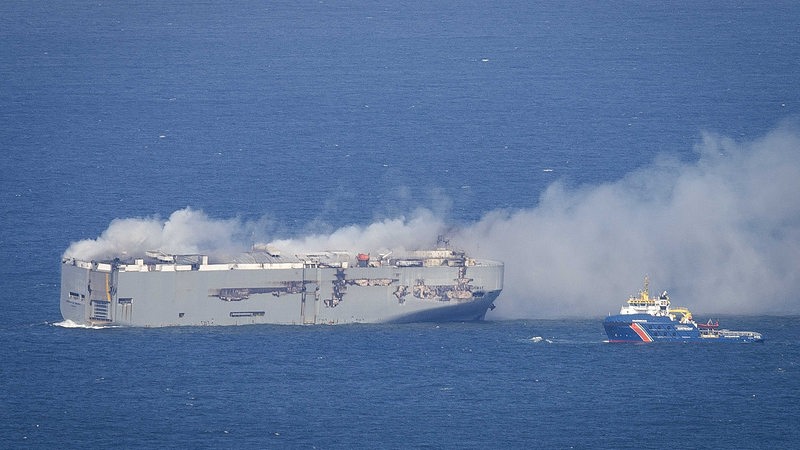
x: 265, y: 286
x: 647, y: 319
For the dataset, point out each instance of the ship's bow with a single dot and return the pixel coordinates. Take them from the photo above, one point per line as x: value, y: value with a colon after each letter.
x: 75, y: 293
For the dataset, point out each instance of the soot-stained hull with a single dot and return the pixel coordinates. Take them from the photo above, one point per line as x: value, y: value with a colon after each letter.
x: 438, y: 285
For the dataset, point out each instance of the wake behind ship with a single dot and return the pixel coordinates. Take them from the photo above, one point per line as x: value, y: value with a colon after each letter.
x: 265, y: 287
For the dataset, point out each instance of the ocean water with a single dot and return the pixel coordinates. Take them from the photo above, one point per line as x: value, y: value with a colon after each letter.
x: 506, y: 384
x: 546, y: 129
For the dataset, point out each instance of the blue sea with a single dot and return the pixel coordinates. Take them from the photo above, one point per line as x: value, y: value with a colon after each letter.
x: 585, y: 144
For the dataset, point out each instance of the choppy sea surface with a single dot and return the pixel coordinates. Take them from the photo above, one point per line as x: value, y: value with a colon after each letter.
x: 305, y: 117
x: 514, y: 384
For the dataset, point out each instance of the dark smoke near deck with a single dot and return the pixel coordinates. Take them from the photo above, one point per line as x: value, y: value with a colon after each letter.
x: 721, y: 233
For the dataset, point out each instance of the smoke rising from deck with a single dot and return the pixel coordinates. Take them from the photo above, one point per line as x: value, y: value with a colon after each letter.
x: 720, y: 233
x: 420, y: 230
x: 186, y: 231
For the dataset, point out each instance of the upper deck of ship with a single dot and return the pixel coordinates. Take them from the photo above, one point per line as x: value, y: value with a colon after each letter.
x: 265, y: 259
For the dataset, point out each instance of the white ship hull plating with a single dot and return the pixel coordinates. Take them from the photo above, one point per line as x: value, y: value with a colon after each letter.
x: 297, y: 292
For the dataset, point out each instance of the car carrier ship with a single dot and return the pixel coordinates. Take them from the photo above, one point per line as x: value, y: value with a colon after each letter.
x: 263, y: 286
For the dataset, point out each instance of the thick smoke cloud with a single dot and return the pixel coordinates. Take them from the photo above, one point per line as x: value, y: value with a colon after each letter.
x: 186, y: 231
x: 189, y: 231
x: 721, y: 233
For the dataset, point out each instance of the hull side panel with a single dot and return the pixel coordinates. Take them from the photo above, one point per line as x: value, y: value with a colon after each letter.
x: 94, y: 294
x: 646, y: 328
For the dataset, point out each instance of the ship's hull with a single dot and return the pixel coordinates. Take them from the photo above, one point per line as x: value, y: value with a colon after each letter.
x: 647, y: 328
x: 158, y: 296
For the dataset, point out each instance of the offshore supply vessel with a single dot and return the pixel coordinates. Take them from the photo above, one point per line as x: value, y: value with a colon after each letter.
x: 263, y: 286
x: 648, y: 319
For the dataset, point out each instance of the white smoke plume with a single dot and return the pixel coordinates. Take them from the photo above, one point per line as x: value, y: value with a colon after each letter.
x: 398, y: 234
x: 190, y: 231
x: 186, y: 231
x: 721, y: 233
